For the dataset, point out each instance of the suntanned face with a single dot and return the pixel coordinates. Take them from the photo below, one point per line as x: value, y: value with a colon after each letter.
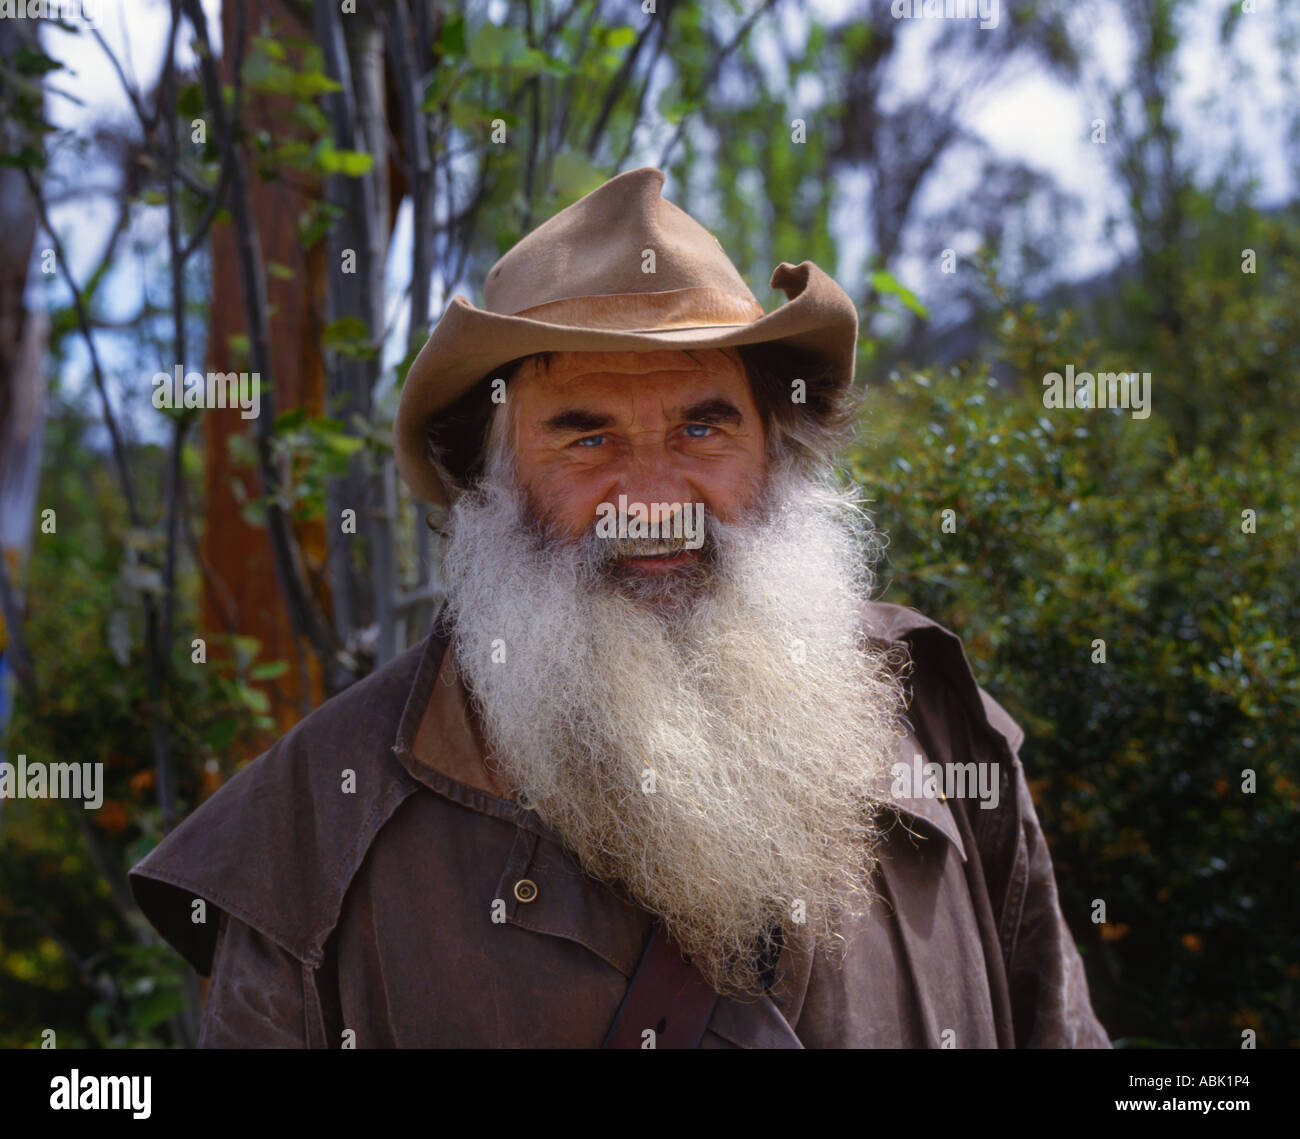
x: 657, y: 427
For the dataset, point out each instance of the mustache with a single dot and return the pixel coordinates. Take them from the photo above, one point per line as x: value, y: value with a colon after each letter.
x: 608, y: 559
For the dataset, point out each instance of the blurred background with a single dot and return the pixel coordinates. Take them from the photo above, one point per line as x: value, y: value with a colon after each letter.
x: 296, y: 189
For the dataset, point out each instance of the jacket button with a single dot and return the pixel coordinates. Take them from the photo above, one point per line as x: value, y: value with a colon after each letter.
x: 526, y: 890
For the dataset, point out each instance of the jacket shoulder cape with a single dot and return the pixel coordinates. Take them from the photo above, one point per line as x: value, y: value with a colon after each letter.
x: 285, y: 807
x: 278, y: 844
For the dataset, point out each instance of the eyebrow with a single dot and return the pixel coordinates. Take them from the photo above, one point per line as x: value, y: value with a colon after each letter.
x: 711, y: 411
x: 575, y: 419
x: 708, y: 411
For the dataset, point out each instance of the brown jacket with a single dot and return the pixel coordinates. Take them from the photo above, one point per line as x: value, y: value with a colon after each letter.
x: 367, y: 916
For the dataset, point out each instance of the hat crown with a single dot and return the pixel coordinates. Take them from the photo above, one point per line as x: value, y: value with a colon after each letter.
x: 598, y: 247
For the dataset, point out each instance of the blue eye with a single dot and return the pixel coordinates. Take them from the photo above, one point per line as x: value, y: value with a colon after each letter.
x: 698, y: 430
x: 590, y: 441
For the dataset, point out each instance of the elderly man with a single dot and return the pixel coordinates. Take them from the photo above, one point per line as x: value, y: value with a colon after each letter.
x: 662, y: 775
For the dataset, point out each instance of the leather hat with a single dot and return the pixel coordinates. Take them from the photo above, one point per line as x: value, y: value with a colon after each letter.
x: 621, y: 269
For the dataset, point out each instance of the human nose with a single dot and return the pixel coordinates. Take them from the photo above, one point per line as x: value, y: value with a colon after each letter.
x: 653, y: 475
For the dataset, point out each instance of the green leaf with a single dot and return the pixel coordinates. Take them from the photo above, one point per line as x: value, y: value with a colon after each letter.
x: 507, y: 238
x: 534, y: 62
x: 221, y: 734
x: 290, y: 420
x: 245, y: 648
x: 28, y: 62
x: 156, y: 1006
x: 253, y: 698
x: 442, y: 87
x: 349, y: 163
x: 309, y: 84
x: 254, y: 512
x: 315, y: 222
x: 269, y: 670
x: 349, y: 336
x: 470, y: 116
x: 342, y: 445
x: 575, y: 177
x: 26, y: 156
x: 266, y: 71
x: 452, y: 40
x: 260, y: 64
x: 492, y: 46
x: 887, y: 283
x: 618, y: 38
x: 673, y: 106
x: 190, y: 101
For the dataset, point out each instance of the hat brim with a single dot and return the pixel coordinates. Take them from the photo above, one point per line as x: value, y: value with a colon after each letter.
x: 818, y: 318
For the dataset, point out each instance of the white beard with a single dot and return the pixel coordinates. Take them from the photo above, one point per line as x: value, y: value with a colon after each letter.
x: 720, y: 758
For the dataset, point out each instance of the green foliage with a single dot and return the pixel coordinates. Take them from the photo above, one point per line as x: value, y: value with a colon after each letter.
x: 349, y: 336
x: 1079, y: 526
x: 888, y: 285
x: 268, y: 73
x: 71, y: 959
x: 22, y: 107
x: 315, y: 449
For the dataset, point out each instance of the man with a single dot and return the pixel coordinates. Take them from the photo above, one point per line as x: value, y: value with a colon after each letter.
x: 661, y: 774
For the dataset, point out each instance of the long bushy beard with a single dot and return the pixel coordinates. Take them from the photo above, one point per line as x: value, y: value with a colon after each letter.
x: 717, y: 747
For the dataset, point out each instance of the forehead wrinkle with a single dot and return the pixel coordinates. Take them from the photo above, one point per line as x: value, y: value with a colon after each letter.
x: 611, y: 380
x: 709, y: 383
x: 561, y: 365
x: 709, y: 403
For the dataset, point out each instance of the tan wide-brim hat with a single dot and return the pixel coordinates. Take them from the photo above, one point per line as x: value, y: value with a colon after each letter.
x: 621, y: 269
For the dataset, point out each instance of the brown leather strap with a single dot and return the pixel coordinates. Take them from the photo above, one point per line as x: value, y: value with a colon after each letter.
x: 667, y: 995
